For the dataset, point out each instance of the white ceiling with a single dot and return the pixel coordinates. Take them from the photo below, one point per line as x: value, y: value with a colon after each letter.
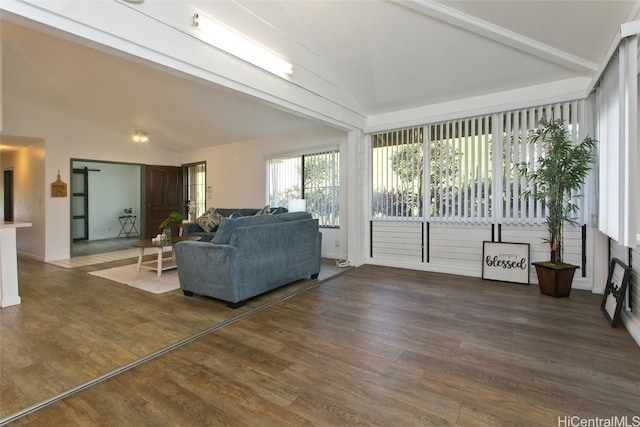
x: 387, y: 55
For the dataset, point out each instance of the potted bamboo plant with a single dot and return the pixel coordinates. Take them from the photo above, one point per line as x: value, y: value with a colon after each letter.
x: 559, y: 175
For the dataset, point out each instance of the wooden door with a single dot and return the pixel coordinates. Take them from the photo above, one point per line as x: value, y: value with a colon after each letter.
x: 162, y: 195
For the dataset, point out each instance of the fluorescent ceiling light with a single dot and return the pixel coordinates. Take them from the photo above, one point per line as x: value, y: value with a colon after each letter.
x: 236, y: 44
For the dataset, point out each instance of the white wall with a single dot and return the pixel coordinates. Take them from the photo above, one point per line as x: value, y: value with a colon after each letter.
x: 112, y: 188
x: 236, y: 174
x: 66, y: 138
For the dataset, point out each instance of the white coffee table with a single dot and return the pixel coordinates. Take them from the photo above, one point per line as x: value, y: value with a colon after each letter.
x: 160, y: 264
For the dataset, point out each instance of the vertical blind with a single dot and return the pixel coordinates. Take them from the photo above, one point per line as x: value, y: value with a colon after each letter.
x: 459, y: 170
x: 608, y: 127
x: 616, y: 122
x: 511, y: 147
x: 321, y: 185
x: 195, y: 187
x: 284, y: 180
x: 465, y: 170
x: 313, y: 176
x: 398, y: 175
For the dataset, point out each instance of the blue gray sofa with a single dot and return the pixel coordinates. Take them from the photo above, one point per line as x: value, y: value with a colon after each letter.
x: 249, y: 256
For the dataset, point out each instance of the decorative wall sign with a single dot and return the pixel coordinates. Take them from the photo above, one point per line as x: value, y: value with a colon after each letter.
x: 614, y: 291
x: 58, y: 188
x: 507, y: 262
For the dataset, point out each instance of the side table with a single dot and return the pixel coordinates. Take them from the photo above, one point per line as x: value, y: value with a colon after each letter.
x: 128, y: 226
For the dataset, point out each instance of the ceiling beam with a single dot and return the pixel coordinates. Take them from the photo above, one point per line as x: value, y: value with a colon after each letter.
x: 501, y: 35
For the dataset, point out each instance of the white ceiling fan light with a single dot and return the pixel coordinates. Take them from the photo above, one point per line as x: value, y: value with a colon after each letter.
x: 140, y: 136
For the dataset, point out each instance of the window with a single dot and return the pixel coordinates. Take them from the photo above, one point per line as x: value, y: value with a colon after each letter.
x: 398, y: 181
x: 463, y: 170
x: 314, y: 177
x: 516, y: 193
x: 195, y: 189
x: 460, y: 166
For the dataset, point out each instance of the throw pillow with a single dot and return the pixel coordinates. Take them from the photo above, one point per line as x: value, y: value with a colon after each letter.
x: 278, y: 210
x: 216, y: 216
x: 264, y: 210
x: 209, y: 221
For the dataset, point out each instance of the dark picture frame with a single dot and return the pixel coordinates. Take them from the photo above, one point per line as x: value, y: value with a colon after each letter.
x: 614, y: 291
x: 505, y: 262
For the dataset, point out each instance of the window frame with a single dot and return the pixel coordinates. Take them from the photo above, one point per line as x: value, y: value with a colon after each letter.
x: 494, y: 193
x: 199, y: 187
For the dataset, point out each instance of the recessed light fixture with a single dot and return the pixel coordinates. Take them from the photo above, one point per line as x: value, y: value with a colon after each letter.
x: 238, y: 45
x: 139, y: 136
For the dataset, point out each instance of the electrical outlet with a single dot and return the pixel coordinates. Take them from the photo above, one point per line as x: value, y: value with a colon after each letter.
x: 337, y: 243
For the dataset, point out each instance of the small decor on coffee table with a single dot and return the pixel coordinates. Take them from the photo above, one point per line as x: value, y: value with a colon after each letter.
x: 173, y: 218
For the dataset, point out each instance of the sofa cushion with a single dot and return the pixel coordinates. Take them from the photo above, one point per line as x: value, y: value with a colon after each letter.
x: 227, y: 225
x: 227, y: 212
x: 293, y: 216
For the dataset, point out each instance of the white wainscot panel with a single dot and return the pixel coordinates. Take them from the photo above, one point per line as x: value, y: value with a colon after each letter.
x: 534, y: 235
x: 458, y: 243
x: 397, y: 240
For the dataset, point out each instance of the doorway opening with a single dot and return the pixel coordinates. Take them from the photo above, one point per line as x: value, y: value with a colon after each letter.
x: 101, y: 194
x: 8, y: 194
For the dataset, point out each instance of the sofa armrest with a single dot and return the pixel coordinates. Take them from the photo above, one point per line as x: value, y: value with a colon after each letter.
x: 207, y: 269
x: 190, y: 227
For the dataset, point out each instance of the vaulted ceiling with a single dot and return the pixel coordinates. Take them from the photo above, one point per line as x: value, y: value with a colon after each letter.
x: 381, y: 56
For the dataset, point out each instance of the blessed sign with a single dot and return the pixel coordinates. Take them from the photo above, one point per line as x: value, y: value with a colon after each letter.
x: 507, y: 262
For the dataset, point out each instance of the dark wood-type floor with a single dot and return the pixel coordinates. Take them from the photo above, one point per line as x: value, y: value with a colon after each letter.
x: 379, y: 346
x: 73, y: 327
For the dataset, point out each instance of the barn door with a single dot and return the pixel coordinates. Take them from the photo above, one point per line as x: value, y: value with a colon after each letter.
x: 80, y: 204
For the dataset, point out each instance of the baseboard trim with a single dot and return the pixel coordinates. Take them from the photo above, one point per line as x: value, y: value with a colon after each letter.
x: 30, y: 255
